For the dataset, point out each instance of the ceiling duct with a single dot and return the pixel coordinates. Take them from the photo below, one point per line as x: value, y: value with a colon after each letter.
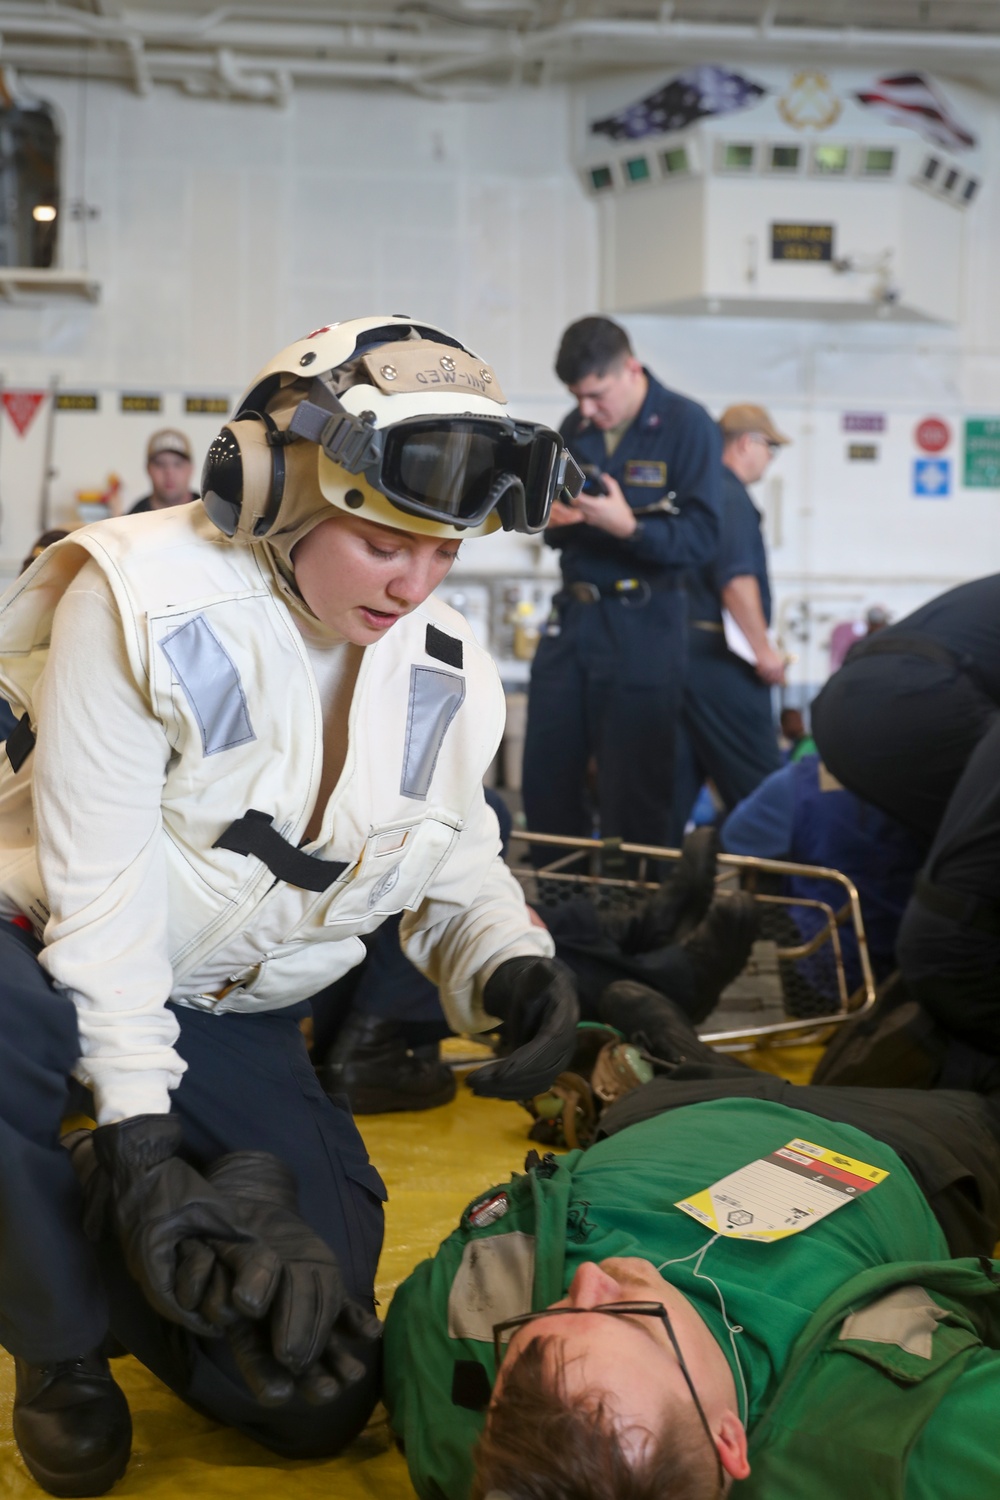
x: 461, y: 47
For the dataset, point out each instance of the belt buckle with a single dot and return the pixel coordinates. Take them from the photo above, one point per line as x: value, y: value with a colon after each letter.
x: 634, y: 593
x: 585, y: 593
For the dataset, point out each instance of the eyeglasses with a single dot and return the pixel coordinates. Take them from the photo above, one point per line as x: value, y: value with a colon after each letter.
x: 769, y: 443
x: 616, y: 1310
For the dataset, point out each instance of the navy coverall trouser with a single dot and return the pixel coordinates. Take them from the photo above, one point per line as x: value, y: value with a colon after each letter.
x: 726, y: 730
x: 249, y: 1086
x: 608, y: 686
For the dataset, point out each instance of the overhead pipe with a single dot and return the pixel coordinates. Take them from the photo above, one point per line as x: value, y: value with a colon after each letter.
x: 257, y: 61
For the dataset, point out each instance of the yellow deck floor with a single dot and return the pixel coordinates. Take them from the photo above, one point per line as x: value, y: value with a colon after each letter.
x: 433, y: 1163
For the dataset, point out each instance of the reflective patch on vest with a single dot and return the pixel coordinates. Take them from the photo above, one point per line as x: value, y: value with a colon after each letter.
x: 384, y: 886
x: 649, y: 472
x: 435, y: 698
x: 211, y: 685
x: 492, y: 1283
x: 906, y: 1317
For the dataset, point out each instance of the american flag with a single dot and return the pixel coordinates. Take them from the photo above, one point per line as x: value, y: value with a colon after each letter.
x: 912, y: 99
x: 688, y: 97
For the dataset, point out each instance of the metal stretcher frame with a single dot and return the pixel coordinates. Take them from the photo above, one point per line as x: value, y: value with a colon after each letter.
x: 581, y: 861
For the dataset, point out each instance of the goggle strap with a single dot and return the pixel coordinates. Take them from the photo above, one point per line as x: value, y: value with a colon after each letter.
x: 308, y: 421
x: 346, y: 441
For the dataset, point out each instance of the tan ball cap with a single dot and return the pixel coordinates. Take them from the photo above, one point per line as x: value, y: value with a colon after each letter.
x: 168, y: 440
x: 736, y: 420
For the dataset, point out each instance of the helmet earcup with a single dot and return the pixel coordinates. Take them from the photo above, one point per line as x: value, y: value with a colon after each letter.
x: 243, y: 480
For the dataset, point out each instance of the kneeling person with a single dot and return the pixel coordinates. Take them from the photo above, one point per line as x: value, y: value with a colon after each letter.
x: 247, y: 736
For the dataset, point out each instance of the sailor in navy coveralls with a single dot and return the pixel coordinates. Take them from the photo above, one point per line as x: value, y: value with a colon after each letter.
x: 608, y: 679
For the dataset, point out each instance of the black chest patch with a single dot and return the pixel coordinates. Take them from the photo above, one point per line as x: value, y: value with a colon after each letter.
x: 443, y: 647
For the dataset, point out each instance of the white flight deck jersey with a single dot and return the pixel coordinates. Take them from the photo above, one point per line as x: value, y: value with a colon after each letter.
x: 179, y: 698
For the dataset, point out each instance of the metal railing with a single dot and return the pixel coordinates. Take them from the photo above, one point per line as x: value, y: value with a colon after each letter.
x: 809, y: 952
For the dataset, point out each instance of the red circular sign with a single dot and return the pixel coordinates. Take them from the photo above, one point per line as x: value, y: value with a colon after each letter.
x: 932, y: 434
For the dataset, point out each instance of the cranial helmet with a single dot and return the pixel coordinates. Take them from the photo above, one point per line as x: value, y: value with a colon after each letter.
x: 388, y: 419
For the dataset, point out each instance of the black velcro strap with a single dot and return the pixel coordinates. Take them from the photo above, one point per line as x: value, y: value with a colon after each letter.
x: 470, y: 1385
x: 446, y: 648
x: 254, y: 834
x: 20, y: 743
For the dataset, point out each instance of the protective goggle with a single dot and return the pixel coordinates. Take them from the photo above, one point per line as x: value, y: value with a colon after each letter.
x: 455, y: 469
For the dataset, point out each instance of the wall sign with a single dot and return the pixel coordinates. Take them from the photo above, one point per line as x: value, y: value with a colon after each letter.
x: 932, y: 434
x: 142, y: 403
x: 22, y: 406
x: 932, y: 478
x: 982, y: 453
x: 215, y: 405
x: 863, y: 421
x: 802, y: 241
x: 862, y: 452
x: 77, y: 401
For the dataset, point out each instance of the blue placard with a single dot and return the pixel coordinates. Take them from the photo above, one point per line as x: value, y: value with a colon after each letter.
x: 932, y: 478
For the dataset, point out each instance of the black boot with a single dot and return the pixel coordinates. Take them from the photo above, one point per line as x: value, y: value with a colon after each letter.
x: 682, y: 900
x: 660, y: 1027
x: 719, y: 947
x: 371, y: 1063
x: 896, y: 1044
x: 72, y: 1425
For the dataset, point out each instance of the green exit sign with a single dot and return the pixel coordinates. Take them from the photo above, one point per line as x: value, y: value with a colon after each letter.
x: 982, y: 453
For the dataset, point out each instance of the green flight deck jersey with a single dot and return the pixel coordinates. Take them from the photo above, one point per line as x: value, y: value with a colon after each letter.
x: 518, y: 1246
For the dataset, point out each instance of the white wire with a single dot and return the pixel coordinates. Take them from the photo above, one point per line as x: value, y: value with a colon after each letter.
x: 731, y: 1328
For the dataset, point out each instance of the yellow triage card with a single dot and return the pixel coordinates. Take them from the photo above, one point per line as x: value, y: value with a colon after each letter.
x: 781, y: 1194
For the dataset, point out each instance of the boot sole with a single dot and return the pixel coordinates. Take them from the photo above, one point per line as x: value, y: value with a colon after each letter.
x: 70, y: 1486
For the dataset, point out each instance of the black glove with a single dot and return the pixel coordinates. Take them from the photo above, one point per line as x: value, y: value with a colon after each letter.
x: 272, y: 1384
x: 535, y: 999
x: 302, y: 1347
x: 161, y: 1207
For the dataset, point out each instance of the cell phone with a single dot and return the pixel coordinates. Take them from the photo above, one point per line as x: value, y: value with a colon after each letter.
x: 593, y: 484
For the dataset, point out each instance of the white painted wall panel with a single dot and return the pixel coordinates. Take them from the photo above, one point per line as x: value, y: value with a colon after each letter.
x: 226, y: 230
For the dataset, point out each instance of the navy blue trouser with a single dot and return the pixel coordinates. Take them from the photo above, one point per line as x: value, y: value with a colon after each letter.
x: 726, y: 729
x: 249, y: 1086
x: 609, y: 685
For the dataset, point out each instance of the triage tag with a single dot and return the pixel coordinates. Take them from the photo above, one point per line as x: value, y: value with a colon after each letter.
x: 781, y: 1194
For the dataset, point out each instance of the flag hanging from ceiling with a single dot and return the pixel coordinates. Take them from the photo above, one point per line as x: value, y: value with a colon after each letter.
x: 683, y: 99
x: 913, y: 99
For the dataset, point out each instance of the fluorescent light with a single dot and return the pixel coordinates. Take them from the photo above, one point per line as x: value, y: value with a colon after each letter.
x: 43, y: 213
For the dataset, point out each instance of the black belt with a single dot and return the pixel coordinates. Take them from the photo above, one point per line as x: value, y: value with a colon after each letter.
x: 632, y: 592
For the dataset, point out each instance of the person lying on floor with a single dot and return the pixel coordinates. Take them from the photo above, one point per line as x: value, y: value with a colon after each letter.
x: 581, y: 1336
x: 681, y: 941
